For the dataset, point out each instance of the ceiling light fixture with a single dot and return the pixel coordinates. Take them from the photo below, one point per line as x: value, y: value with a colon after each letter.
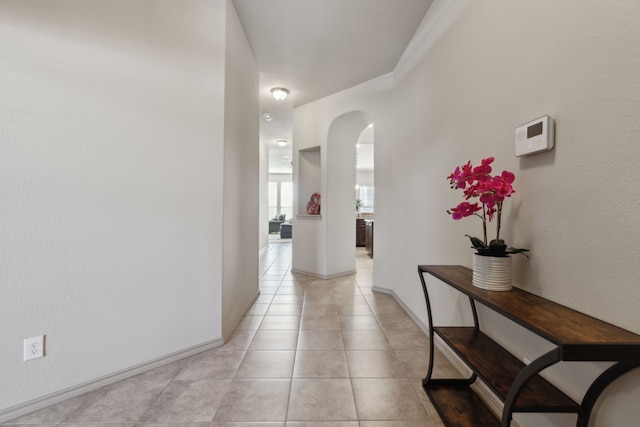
x: 279, y: 93
x: 282, y: 142
x: 267, y: 116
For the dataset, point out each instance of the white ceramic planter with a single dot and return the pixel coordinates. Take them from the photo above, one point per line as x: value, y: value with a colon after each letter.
x: 492, y: 273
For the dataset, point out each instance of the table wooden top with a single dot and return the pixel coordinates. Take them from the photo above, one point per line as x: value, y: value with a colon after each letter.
x: 563, y: 326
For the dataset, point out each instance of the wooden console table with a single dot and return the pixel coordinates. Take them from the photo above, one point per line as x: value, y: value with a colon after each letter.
x: 577, y: 337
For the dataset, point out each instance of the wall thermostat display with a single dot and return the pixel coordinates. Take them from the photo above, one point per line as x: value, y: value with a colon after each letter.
x: 535, y: 136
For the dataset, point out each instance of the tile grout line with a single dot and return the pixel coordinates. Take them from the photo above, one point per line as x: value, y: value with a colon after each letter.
x: 295, y: 357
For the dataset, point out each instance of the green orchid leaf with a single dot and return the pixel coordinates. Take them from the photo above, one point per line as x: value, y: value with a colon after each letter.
x: 476, y: 242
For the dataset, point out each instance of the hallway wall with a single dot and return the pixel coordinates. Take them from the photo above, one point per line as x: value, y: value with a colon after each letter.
x: 241, y: 176
x: 499, y: 65
x: 111, y: 186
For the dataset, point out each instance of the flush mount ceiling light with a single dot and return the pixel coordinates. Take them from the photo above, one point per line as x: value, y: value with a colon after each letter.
x: 279, y: 93
x: 282, y: 142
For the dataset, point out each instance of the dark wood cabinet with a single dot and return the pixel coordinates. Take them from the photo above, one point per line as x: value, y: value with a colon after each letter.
x: 360, y: 232
x: 368, y: 239
x: 575, y: 336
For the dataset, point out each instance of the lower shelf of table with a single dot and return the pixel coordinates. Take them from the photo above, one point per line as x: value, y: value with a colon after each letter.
x: 499, y: 369
x: 459, y: 406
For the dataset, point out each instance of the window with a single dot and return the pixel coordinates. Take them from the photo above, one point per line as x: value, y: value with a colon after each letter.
x: 273, y: 199
x: 366, y: 199
x: 286, y: 198
x: 280, y: 196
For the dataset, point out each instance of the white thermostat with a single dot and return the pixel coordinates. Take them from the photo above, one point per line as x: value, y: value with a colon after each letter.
x: 535, y: 136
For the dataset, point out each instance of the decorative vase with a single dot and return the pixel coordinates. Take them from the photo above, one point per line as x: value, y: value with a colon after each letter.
x: 492, y: 273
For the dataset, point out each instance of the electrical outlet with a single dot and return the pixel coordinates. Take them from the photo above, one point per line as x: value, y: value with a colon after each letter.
x: 33, y: 348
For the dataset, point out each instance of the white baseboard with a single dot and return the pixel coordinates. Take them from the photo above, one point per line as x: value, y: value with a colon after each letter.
x: 321, y: 276
x: 238, y: 319
x: 43, y: 402
x: 494, y: 404
x: 59, y: 396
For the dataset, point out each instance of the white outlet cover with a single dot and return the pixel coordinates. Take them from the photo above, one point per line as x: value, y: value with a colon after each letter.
x: 34, y: 347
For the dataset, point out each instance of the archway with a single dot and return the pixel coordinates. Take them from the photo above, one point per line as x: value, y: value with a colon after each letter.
x: 339, y: 201
x: 365, y: 190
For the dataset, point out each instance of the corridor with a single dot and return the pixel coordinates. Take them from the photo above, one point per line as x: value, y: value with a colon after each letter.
x: 309, y: 352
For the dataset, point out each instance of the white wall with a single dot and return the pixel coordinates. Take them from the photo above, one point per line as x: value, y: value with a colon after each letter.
x: 311, y: 126
x: 263, y: 218
x: 111, y: 185
x: 499, y: 65
x: 241, y: 176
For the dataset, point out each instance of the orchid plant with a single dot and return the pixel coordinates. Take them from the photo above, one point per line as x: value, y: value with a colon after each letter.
x: 477, y: 182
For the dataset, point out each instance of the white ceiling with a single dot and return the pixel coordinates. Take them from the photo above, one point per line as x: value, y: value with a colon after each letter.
x: 316, y: 48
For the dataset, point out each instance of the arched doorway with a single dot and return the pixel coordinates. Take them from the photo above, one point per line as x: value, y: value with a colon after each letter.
x: 325, y: 244
x: 343, y: 136
x: 365, y: 190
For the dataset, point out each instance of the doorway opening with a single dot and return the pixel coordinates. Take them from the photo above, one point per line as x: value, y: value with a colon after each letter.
x: 280, y: 207
x: 365, y: 190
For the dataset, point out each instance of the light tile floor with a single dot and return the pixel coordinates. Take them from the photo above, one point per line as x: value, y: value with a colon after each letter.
x: 310, y: 352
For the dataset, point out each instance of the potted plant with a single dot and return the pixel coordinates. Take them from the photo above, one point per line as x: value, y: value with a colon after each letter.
x: 358, y: 204
x: 484, y: 196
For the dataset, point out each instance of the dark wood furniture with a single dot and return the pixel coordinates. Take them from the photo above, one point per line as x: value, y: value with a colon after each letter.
x: 577, y: 337
x: 368, y: 240
x: 360, y: 232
